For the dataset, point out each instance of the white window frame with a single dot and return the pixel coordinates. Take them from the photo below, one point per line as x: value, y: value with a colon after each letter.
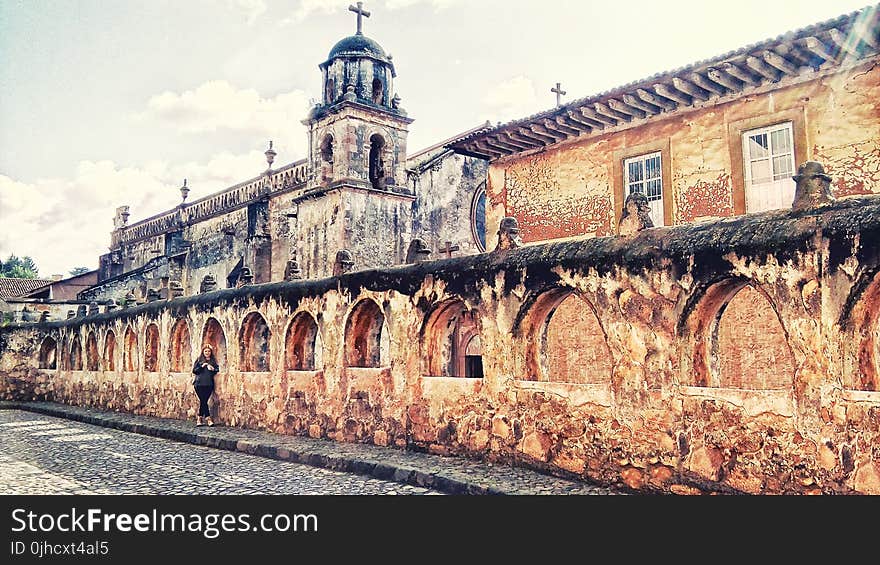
x: 655, y: 202
x: 775, y: 193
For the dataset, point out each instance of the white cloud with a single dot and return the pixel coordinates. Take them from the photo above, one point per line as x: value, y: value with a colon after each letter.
x: 510, y: 99
x: 218, y: 105
x: 308, y: 7
x: 66, y: 223
x: 252, y: 9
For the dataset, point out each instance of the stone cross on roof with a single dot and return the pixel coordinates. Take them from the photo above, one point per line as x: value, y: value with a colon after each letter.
x: 559, y: 92
x: 360, y: 13
x: 449, y: 249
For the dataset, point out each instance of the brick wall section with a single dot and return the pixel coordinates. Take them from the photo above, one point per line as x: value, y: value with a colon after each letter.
x: 575, y: 348
x: 752, y: 351
x: 668, y: 419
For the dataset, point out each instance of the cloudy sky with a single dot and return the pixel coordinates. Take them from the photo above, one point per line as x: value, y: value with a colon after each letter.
x: 110, y: 103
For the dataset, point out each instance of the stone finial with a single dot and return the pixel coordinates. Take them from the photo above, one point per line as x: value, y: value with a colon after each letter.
x: 175, y: 289
x: 209, y: 283
x: 636, y: 214
x: 129, y: 300
x: 349, y: 93
x: 418, y: 251
x: 81, y: 311
x: 508, y: 234
x: 270, y: 155
x: 344, y: 262
x: 813, y: 186
x: 292, y: 271
x: 71, y: 314
x: 245, y: 277
x: 93, y: 308
x: 184, y: 192
x: 120, y: 220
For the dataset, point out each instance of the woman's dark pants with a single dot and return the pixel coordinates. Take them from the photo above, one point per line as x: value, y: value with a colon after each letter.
x: 204, y: 393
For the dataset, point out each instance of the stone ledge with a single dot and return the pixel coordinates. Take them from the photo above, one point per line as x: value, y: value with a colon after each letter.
x: 449, y: 475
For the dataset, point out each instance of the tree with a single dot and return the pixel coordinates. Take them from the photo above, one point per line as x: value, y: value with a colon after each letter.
x: 79, y: 271
x: 19, y: 268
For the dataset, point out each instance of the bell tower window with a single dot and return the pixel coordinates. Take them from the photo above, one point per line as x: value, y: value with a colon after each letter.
x: 327, y: 157
x: 377, y: 164
x: 378, y: 91
x: 330, y: 90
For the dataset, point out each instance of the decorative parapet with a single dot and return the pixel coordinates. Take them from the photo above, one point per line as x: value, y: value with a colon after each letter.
x: 238, y: 196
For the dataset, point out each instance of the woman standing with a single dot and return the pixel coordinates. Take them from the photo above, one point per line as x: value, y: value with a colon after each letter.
x: 204, y: 369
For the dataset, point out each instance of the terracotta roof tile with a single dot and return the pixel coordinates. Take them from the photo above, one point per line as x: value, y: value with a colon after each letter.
x: 10, y: 288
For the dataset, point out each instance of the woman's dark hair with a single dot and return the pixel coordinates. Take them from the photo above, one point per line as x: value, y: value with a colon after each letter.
x: 212, y: 360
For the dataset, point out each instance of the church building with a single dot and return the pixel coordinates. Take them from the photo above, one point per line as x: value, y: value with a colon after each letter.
x: 358, y: 201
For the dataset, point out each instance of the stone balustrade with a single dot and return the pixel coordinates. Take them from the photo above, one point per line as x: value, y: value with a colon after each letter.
x: 237, y: 196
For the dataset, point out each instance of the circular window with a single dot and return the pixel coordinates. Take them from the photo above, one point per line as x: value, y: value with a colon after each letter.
x: 478, y: 217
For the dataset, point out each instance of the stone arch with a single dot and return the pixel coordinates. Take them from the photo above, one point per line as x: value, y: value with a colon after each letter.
x: 48, y: 353
x: 213, y: 335
x: 449, y: 331
x: 326, y: 152
x: 92, y: 358
x: 327, y: 148
x: 110, y: 351
x: 377, y: 165
x: 180, y: 348
x: 864, y: 320
x: 130, y: 350
x: 303, y: 348
x: 151, y: 348
x: 366, y: 336
x: 330, y: 90
x: 377, y: 93
x: 76, y: 361
x: 565, y: 340
x: 254, y: 342
x: 64, y: 354
x: 739, y: 340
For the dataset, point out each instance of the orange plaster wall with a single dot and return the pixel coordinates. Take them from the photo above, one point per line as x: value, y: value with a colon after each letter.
x: 569, y: 190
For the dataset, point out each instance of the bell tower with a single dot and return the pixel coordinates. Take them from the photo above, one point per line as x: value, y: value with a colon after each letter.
x: 358, y: 131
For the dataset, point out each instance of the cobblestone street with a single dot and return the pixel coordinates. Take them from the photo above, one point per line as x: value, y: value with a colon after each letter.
x: 45, y: 455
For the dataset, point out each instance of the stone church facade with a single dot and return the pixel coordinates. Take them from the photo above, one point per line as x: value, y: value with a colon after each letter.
x: 729, y: 350
x: 358, y: 201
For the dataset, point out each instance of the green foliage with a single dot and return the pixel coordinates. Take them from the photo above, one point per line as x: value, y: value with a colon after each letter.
x: 79, y: 271
x: 19, y: 268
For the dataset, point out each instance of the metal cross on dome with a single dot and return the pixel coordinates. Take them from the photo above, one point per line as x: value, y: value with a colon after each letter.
x: 360, y: 13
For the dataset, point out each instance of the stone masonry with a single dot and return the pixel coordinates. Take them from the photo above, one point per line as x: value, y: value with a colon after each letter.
x: 733, y: 356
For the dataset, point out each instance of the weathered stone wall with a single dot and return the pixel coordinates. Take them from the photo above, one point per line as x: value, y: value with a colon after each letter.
x: 660, y: 314
x: 570, y: 189
x: 445, y: 192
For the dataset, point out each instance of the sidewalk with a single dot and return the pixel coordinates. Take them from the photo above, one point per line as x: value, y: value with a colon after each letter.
x: 452, y: 475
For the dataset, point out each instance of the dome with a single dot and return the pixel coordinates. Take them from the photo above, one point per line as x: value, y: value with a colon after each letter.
x: 358, y: 45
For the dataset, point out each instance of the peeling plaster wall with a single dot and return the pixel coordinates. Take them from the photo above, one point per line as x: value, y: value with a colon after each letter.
x: 661, y: 421
x: 570, y: 188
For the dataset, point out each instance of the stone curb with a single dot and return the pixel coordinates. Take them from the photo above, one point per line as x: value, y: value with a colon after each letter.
x: 369, y: 466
